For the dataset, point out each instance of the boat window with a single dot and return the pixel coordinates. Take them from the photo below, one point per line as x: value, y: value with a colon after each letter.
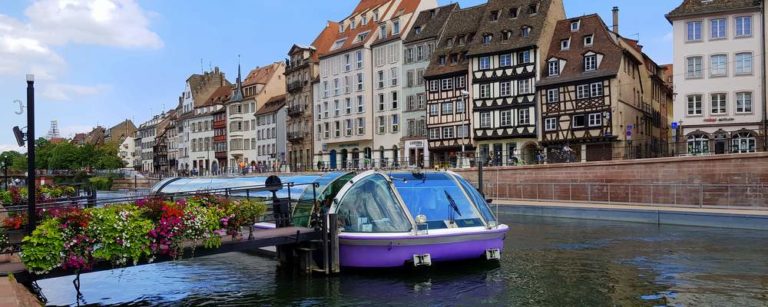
x: 329, y: 186
x: 438, y: 198
x: 371, y: 206
x: 478, y: 199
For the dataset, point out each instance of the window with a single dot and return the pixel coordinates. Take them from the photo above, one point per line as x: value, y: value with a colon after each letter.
x: 408, y: 55
x: 533, y: 9
x: 550, y: 124
x: 462, y: 82
x: 325, y: 89
x: 421, y: 101
x: 505, y: 60
x: 409, y: 81
x: 462, y: 131
x: 485, y: 120
x: 595, y: 120
x: 441, y: 60
x: 588, y: 40
x: 718, y: 104
x: 487, y: 38
x: 396, y: 27
x: 524, y: 57
x: 336, y: 87
x: 382, y: 31
x: 380, y: 79
x: 348, y: 127
x: 359, y: 58
x: 337, y: 129
x: 553, y: 95
x: 395, y: 105
x: 565, y: 44
x: 434, y: 133
x: 347, y: 62
x: 336, y: 108
x: 575, y: 25
x: 513, y: 12
x: 525, y: 31
x: 494, y: 16
x: 718, y: 65
x: 506, y: 35
x: 698, y: 144
x: 447, y: 108
x: 523, y: 117
x: 744, y: 102
x: 395, y: 123
x: 448, y: 132
x: 743, y: 142
x: 693, y: 30
x: 382, y: 124
x: 578, y: 121
x: 359, y: 82
x: 524, y: 87
x: 718, y: 28
x: 327, y: 130
x: 485, y: 62
x: 394, y: 74
x: 596, y: 89
x: 582, y: 91
x: 325, y: 109
x: 381, y: 102
x: 505, y: 89
x: 417, y: 30
x: 743, y: 26
x: 694, y: 105
x: 360, y: 105
x: 460, y: 106
x: 433, y: 85
x: 744, y: 63
x: 590, y: 62
x: 447, y: 84
x: 434, y: 110
x: 506, y: 118
x: 485, y: 90
x: 347, y: 85
x: 554, y: 67
x: 348, y: 105
x: 693, y: 67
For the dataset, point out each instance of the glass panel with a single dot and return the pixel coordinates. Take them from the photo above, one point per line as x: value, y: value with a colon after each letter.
x: 329, y: 186
x: 478, y: 199
x: 438, y: 197
x: 370, y: 206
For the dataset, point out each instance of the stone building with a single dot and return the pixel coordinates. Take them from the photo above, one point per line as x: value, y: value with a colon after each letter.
x: 270, y: 135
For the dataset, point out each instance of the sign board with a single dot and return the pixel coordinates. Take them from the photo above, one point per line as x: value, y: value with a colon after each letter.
x: 629, y: 131
x: 675, y: 125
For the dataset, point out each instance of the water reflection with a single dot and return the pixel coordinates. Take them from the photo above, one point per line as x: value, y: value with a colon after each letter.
x: 547, y: 262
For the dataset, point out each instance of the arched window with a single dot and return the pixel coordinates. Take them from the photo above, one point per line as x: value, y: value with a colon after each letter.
x: 698, y: 144
x: 743, y: 142
x: 371, y: 206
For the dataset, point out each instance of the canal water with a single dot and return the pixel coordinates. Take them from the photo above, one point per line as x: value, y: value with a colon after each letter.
x: 547, y: 262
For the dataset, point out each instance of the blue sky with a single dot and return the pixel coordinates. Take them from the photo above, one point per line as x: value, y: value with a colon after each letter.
x: 102, y: 61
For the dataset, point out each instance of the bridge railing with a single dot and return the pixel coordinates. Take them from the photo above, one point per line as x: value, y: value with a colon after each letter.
x: 716, y: 196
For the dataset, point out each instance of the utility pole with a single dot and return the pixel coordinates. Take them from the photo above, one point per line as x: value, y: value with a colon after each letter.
x: 31, y: 191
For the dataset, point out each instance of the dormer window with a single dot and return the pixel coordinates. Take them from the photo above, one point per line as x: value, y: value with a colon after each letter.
x: 494, y: 15
x: 376, y: 15
x: 454, y: 59
x: 533, y: 9
x: 487, y: 38
x: 361, y: 37
x: 513, y: 12
x: 462, y: 40
x: 341, y: 28
x: 526, y: 31
x: 441, y: 60
x: 352, y: 25
x: 382, y: 31
x: 417, y: 30
x: 553, y: 67
x: 432, y: 13
x: 565, y: 44
x: 588, y: 40
x: 337, y: 44
x: 590, y: 62
x: 396, y: 27
x: 364, y: 21
x: 575, y: 25
x: 449, y: 42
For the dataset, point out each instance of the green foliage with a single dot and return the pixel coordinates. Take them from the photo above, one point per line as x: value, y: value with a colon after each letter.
x: 101, y: 183
x: 201, y: 223
x: 43, y: 251
x: 121, y: 234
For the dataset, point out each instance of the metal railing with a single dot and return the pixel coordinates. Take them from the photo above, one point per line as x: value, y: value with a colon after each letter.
x: 716, y: 196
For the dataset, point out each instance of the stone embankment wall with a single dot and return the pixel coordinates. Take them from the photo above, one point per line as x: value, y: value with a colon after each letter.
x: 710, y: 181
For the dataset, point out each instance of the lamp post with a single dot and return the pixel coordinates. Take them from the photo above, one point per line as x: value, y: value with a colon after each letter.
x: 5, y: 162
x: 464, y: 95
x: 31, y: 153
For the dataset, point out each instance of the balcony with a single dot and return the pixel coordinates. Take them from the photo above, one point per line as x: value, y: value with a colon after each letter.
x: 295, y: 65
x: 221, y: 155
x: 220, y: 138
x: 296, y: 110
x: 297, y: 137
x: 296, y: 86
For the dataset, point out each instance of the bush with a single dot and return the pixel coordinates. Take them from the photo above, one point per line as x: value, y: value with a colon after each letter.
x: 43, y: 250
x: 101, y: 183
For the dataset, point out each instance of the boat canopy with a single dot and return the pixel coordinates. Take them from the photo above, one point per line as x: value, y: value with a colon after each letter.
x: 320, y: 197
x: 378, y: 202
x: 237, y: 184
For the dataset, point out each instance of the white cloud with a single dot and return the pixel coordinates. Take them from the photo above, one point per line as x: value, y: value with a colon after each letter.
x: 14, y: 147
x: 30, y: 46
x: 66, y: 92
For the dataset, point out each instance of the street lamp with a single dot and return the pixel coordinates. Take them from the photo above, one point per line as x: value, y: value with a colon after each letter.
x: 464, y: 96
x: 31, y: 153
x: 5, y: 163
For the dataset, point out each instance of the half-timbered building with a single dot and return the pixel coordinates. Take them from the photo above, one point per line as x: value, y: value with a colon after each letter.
x: 448, y: 93
x: 600, y: 98
x: 505, y: 56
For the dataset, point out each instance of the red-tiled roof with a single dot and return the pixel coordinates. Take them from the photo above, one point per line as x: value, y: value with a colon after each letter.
x: 350, y: 35
x: 367, y: 5
x: 220, y: 95
x: 260, y: 75
x: 325, y: 39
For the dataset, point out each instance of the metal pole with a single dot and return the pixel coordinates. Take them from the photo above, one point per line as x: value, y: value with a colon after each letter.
x: 480, y: 174
x: 31, y: 153
x: 701, y: 196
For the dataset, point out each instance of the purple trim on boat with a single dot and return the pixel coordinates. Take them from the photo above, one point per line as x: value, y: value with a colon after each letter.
x: 400, y: 236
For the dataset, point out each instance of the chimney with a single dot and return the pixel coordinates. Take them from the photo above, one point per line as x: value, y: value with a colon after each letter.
x: 616, y: 19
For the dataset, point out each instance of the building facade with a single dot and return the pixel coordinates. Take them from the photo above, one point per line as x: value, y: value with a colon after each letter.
x: 301, y: 69
x: 720, y: 84
x: 600, y: 97
x: 418, y: 46
x: 271, y: 121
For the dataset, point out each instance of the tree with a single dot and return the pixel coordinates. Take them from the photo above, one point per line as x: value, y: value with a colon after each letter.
x: 18, y: 161
x: 65, y: 156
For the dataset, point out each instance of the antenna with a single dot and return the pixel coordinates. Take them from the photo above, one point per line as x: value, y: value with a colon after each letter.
x: 202, y: 69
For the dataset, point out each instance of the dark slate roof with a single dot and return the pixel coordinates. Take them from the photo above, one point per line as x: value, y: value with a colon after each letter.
x: 536, y: 21
x: 431, y: 23
x: 604, y: 42
x: 272, y: 105
x: 699, y: 7
x: 461, y: 22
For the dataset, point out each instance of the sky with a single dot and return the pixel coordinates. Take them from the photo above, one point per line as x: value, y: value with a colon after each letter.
x: 98, y: 62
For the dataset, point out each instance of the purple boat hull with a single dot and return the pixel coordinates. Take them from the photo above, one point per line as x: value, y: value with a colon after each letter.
x: 398, y: 250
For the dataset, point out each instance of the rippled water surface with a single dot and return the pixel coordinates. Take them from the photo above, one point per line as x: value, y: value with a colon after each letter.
x: 547, y: 262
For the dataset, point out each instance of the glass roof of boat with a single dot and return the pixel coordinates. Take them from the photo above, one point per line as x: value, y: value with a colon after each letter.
x: 200, y: 184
